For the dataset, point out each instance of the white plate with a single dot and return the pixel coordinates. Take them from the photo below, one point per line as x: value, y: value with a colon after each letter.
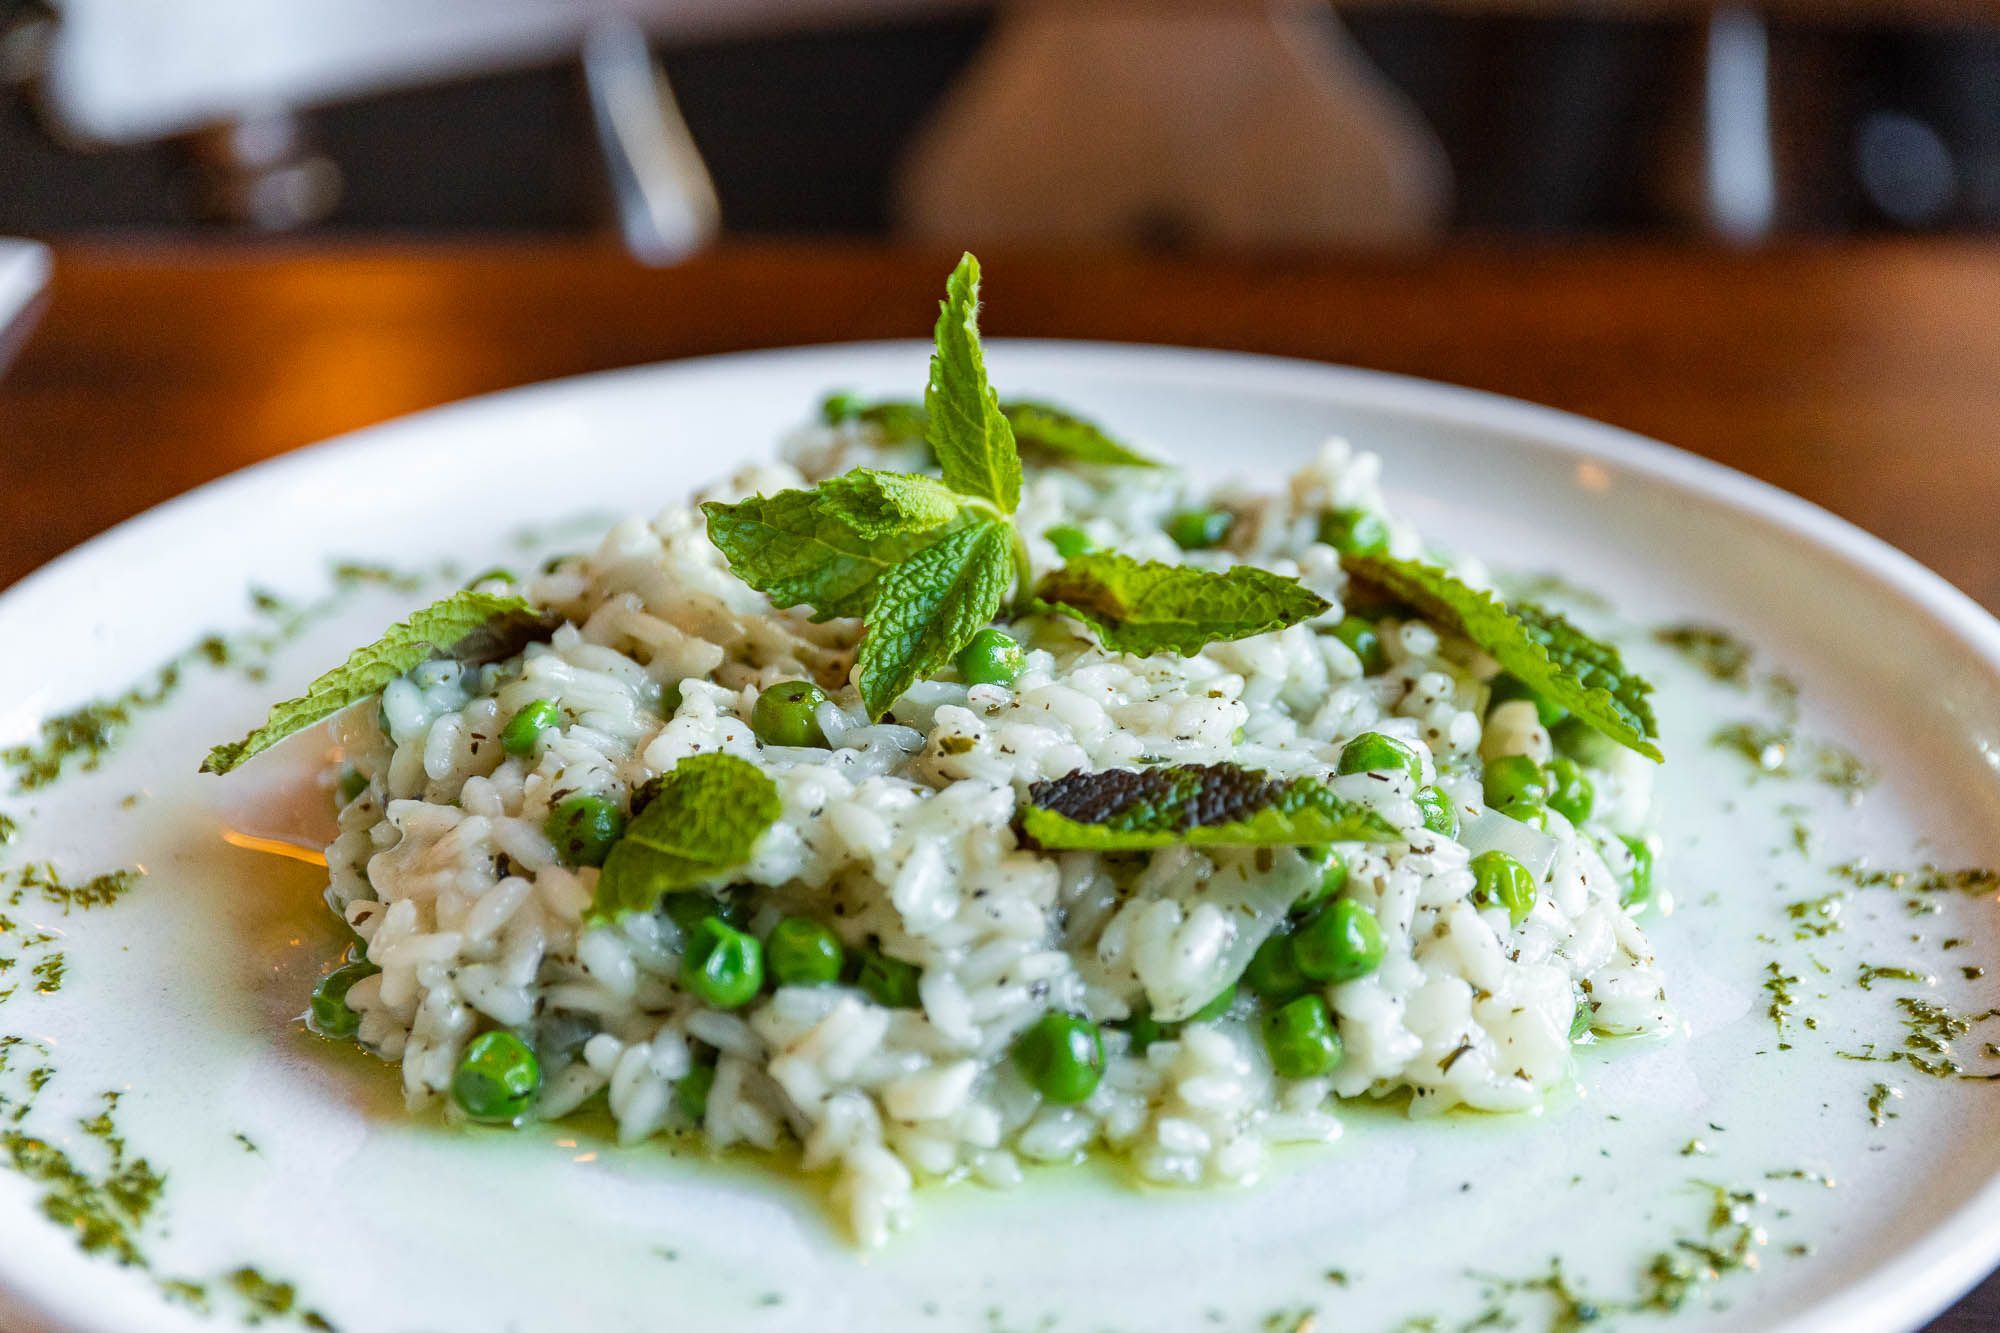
x: 183, y: 995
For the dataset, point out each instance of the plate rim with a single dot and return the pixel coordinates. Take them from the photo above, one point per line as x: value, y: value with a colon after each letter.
x: 1948, y: 1260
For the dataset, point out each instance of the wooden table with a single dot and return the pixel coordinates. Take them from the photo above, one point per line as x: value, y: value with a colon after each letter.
x: 1866, y: 378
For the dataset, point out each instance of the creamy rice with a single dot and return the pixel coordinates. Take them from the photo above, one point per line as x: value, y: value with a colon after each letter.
x: 900, y: 835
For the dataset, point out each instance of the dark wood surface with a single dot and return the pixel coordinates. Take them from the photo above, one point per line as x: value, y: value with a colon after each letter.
x: 1866, y: 378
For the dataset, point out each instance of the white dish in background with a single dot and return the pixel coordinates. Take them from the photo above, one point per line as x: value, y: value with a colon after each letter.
x: 382, y: 1221
x: 24, y: 274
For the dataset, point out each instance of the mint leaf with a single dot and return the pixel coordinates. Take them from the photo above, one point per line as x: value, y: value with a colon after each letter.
x: 1549, y: 655
x: 898, y: 420
x: 470, y: 626
x: 1045, y: 428
x: 703, y: 821
x: 1201, y: 805
x: 1039, y: 428
x: 1144, y: 607
x: 972, y: 440
x: 789, y: 547
x: 929, y: 607
x: 879, y: 504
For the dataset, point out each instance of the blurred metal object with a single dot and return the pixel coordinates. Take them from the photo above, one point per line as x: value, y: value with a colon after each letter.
x: 24, y: 278
x: 1906, y: 169
x: 126, y: 72
x: 1740, y: 166
x: 1250, y: 124
x: 262, y: 172
x: 667, y: 207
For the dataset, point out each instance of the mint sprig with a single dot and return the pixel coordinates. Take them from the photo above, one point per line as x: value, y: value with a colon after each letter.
x: 1144, y: 607
x: 469, y: 626
x: 1543, y: 650
x: 1201, y: 805
x: 928, y: 562
x: 703, y: 821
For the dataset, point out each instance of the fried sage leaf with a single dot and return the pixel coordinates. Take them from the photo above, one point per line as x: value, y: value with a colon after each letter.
x: 1201, y: 805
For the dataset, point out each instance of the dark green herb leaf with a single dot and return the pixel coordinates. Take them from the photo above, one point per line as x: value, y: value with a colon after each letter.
x: 1144, y: 607
x: 1203, y: 805
x: 703, y: 820
x: 1552, y: 657
x: 469, y: 626
x: 929, y: 607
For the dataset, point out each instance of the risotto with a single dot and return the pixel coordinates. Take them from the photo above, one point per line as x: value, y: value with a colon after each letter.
x: 1213, y: 820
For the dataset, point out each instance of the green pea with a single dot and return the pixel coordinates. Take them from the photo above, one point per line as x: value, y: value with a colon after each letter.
x: 352, y: 784
x: 721, y: 965
x: 803, y: 952
x: 1372, y: 752
x: 1300, y: 1038
x: 1274, y: 969
x: 890, y: 982
x: 1354, y: 531
x: 1440, y: 815
x: 497, y: 1078
x: 840, y: 406
x: 1332, y: 876
x: 1506, y: 689
x: 992, y: 658
x: 1501, y: 881
x: 1199, y: 529
x: 1571, y: 792
x: 1146, y: 1029
x: 1639, y: 881
x: 1514, y: 780
x: 1532, y: 813
x: 1063, y: 1056
x: 330, y: 1015
x: 691, y: 1092
x: 1339, y: 942
x: 788, y: 714
x: 525, y: 728
x: 1365, y: 640
x: 584, y: 829
x: 1216, y: 1007
x: 1070, y: 541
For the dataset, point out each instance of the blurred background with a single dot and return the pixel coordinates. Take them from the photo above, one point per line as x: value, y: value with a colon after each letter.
x: 1164, y: 124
